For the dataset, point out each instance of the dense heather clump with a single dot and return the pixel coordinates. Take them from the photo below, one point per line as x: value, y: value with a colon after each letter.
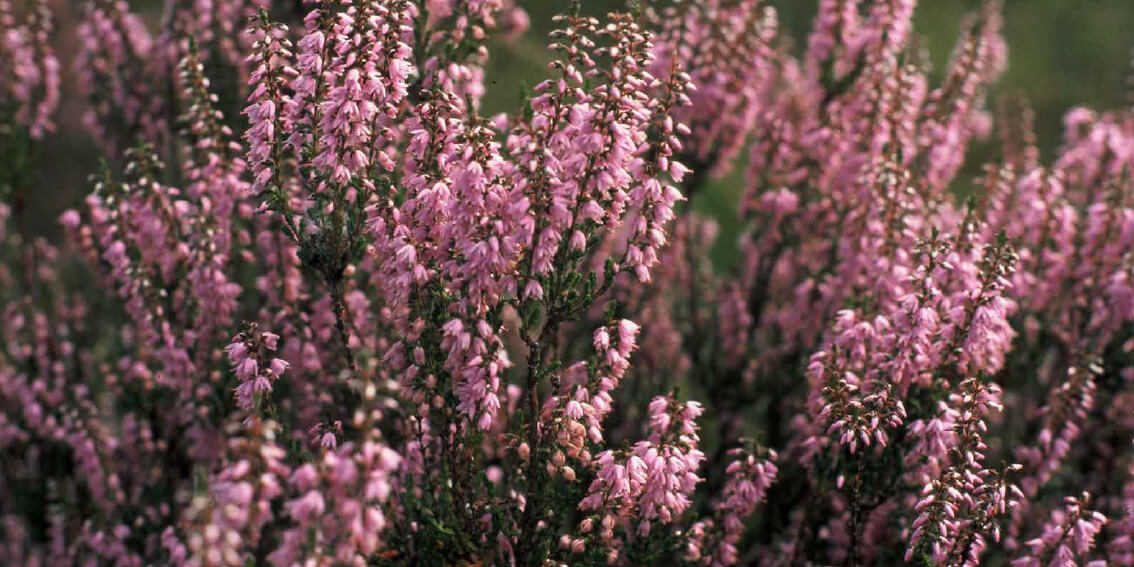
x: 358, y: 322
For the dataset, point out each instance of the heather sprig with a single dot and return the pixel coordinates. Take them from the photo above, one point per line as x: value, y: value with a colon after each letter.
x: 115, y: 70
x: 507, y: 340
x: 1067, y: 536
x: 30, y: 69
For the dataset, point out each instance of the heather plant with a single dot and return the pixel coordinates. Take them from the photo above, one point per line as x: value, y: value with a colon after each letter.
x: 318, y: 308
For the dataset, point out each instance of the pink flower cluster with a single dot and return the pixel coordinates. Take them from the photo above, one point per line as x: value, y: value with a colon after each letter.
x: 363, y: 323
x: 652, y: 482
x: 256, y: 372
x: 1067, y: 536
x: 30, y: 69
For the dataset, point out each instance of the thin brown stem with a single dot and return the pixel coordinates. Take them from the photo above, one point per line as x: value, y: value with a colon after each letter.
x: 341, y: 325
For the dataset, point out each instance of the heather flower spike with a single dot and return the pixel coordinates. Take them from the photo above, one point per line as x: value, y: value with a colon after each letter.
x: 363, y: 322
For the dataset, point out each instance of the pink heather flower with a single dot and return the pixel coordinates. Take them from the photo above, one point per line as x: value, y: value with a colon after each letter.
x: 993, y: 497
x: 338, y: 505
x: 1068, y: 405
x: 1067, y: 536
x: 944, y: 499
x: 1120, y: 549
x: 726, y: 50
x: 30, y: 76
x: 747, y: 483
x: 114, y: 71
x: 215, y: 171
x: 854, y: 415
x: 596, y: 168
x: 268, y: 60
x: 979, y: 59
x: 255, y: 371
x: 228, y: 521
x: 834, y: 39
x: 657, y: 477
x: 349, y: 78
x: 408, y: 249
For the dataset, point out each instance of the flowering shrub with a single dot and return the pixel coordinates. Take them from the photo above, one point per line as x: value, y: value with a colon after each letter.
x: 362, y: 323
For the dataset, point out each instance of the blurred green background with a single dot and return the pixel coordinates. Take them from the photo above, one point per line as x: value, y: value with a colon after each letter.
x: 1062, y: 53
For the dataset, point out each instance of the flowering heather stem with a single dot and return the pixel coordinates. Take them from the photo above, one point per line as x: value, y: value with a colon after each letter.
x: 1067, y: 537
x: 408, y: 250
